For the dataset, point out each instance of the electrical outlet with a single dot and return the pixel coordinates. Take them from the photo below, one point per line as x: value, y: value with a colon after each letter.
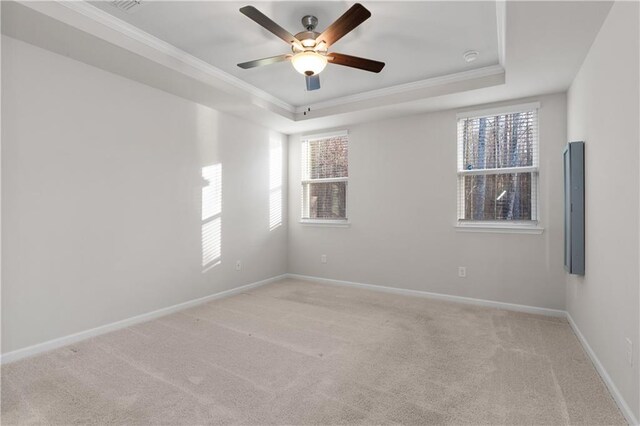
x: 462, y: 271
x: 238, y: 265
x: 629, y: 352
x: 323, y: 258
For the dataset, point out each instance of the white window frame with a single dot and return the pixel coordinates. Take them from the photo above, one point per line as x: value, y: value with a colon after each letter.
x: 305, y: 182
x: 500, y: 226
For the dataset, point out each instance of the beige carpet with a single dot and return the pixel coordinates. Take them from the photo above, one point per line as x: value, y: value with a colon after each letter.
x: 301, y: 353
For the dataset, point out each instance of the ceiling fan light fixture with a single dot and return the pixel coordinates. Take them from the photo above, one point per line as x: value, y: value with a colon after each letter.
x: 309, y: 63
x: 310, y: 48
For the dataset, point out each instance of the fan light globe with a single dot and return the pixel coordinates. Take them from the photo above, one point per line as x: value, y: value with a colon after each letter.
x: 309, y: 63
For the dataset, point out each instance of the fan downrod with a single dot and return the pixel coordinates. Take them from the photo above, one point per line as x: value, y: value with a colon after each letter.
x: 309, y: 22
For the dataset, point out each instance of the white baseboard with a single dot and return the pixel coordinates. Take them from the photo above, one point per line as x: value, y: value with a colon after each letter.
x: 73, y: 338
x: 76, y: 337
x: 440, y: 296
x: 622, y: 404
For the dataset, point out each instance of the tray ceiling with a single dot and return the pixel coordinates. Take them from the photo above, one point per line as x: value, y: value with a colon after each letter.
x: 538, y: 48
x: 417, y: 40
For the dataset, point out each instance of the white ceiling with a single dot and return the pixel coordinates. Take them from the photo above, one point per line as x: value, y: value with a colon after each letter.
x: 417, y: 40
x: 544, y: 43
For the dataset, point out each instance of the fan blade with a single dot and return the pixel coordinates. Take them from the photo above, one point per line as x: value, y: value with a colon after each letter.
x: 353, y: 17
x: 264, y: 61
x: 264, y: 21
x: 313, y: 82
x: 355, y: 62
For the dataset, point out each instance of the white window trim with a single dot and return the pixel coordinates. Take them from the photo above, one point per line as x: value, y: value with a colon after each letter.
x: 506, y: 227
x: 337, y: 223
x: 516, y: 227
x: 325, y: 180
x: 316, y: 136
x: 507, y: 109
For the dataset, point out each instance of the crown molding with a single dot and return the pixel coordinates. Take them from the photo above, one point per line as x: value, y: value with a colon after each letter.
x: 407, y: 87
x: 501, y: 26
x: 98, y: 15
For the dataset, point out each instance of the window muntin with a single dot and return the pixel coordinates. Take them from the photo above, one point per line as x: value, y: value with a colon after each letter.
x: 498, y: 167
x: 325, y: 176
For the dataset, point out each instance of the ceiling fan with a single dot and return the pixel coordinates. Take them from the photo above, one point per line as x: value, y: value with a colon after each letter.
x: 310, y: 50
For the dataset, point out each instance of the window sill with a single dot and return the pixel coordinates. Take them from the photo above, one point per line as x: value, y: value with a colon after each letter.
x: 326, y: 223
x: 500, y: 228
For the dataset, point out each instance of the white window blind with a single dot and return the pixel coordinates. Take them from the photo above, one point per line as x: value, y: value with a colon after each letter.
x: 325, y: 175
x: 498, y: 166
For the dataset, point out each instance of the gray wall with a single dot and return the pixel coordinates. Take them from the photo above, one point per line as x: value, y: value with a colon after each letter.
x: 402, y: 207
x: 603, y: 111
x: 101, y: 186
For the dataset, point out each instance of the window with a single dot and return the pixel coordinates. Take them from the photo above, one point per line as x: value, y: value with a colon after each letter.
x: 325, y: 176
x: 498, y: 167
